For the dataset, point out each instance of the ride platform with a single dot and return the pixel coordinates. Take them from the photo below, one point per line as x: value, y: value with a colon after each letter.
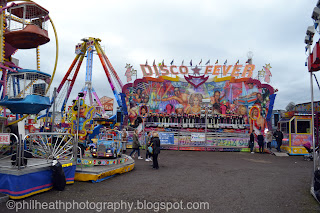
x: 32, y: 179
x: 97, y: 170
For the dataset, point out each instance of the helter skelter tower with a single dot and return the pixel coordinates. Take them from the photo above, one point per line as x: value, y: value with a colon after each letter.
x: 87, y: 48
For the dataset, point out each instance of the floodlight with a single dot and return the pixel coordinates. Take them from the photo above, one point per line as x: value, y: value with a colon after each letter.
x: 308, y: 40
x: 310, y: 31
x: 315, y: 13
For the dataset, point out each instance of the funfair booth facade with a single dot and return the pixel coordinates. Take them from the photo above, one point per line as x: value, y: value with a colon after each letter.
x: 212, y: 110
x: 296, y: 128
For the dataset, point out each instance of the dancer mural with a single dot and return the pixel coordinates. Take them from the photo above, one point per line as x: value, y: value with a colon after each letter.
x: 227, y: 96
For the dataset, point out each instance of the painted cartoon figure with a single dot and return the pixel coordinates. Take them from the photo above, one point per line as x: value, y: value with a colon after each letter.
x: 85, y: 115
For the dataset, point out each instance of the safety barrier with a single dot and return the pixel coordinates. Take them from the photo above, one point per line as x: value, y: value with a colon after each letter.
x: 197, y: 139
x: 9, y: 148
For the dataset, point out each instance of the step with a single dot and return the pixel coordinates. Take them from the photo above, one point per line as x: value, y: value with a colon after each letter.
x: 280, y: 154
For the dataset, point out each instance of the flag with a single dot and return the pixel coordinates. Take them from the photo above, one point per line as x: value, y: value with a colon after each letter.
x: 163, y: 62
x: 247, y: 61
x: 191, y: 62
x: 154, y: 62
x: 182, y: 62
x: 171, y: 62
x: 208, y: 62
x: 200, y: 62
x: 225, y: 62
x: 146, y: 62
x: 217, y: 61
x: 237, y: 62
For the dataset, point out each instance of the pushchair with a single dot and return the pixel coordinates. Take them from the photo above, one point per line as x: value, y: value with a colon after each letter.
x: 309, y: 157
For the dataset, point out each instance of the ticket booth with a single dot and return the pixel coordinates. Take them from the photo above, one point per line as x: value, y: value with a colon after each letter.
x: 296, y: 132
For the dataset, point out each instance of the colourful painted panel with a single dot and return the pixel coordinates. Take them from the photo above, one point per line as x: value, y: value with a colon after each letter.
x: 226, y: 96
x: 300, y: 139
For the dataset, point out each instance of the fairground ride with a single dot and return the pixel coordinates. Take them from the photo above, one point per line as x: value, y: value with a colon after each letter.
x: 24, y: 26
x: 87, y: 49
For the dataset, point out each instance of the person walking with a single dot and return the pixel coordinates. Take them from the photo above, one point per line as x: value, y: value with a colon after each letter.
x: 251, y: 142
x: 135, y: 144
x: 278, y: 136
x: 155, y: 141
x: 124, y: 136
x: 269, y: 139
x: 261, y: 142
x: 148, y: 143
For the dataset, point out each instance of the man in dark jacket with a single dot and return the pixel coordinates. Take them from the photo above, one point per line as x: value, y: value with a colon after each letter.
x: 278, y: 136
x: 155, y: 141
x: 260, y: 139
x: 251, y: 142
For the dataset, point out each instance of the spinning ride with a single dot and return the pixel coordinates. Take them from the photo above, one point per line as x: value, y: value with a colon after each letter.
x: 86, y: 49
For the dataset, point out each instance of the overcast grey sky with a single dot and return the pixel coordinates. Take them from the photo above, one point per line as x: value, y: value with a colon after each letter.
x: 133, y: 31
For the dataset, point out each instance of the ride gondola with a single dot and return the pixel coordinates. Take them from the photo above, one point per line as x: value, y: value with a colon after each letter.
x: 26, y: 92
x: 27, y: 26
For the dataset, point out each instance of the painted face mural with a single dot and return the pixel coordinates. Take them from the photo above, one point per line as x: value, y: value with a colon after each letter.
x: 165, y: 95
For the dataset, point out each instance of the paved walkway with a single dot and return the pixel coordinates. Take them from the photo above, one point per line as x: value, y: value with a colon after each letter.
x: 227, y: 181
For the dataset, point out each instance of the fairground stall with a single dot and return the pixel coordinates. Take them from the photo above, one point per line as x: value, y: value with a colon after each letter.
x: 211, y: 107
x: 296, y: 128
x: 296, y: 132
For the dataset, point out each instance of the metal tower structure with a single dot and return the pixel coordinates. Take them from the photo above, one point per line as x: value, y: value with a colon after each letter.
x: 87, y: 48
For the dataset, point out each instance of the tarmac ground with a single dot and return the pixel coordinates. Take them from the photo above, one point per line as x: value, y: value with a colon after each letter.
x: 190, y: 181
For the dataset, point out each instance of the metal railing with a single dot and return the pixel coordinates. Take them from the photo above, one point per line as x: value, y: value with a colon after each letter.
x: 212, y: 139
x: 8, y: 150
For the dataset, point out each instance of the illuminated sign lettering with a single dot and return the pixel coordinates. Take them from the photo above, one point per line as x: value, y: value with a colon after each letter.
x: 237, y: 70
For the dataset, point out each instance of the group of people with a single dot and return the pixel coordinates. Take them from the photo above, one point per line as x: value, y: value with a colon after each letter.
x: 152, y: 146
x: 278, y: 135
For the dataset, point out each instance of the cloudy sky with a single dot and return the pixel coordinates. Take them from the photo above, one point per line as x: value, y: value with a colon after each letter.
x: 136, y: 31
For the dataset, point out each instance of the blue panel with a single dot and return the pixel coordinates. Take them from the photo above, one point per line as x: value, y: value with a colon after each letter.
x: 30, y: 71
x: 272, y: 98
x: 31, y: 104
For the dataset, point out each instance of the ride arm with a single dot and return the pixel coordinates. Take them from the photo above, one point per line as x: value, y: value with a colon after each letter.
x: 100, y: 54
